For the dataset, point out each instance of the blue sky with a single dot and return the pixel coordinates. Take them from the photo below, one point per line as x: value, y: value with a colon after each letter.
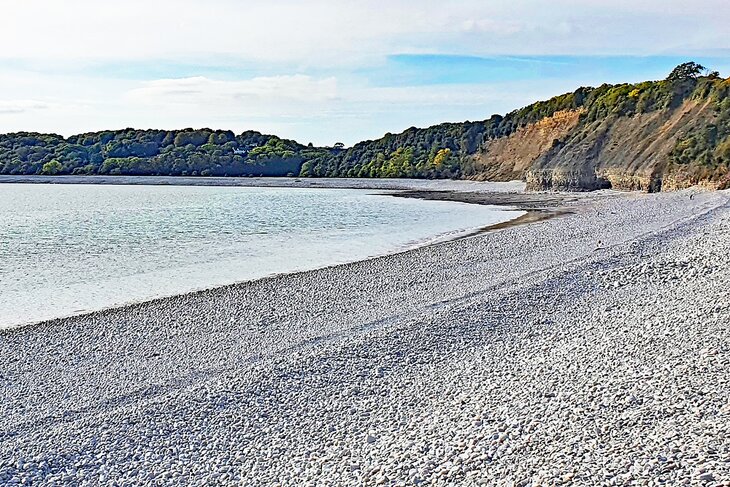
x: 326, y: 71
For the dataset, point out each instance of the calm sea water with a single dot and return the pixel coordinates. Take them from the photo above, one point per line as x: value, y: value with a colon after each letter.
x: 66, y: 249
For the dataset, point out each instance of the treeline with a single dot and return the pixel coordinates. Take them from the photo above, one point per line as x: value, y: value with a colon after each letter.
x: 440, y: 151
x: 185, y: 152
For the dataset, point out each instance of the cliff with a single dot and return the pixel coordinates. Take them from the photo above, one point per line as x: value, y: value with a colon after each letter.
x: 653, y: 136
x: 513, y: 156
x: 630, y: 152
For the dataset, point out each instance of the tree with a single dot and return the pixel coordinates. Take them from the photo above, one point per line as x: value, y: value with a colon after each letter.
x: 52, y: 167
x: 306, y: 169
x: 690, y: 70
x: 441, y: 158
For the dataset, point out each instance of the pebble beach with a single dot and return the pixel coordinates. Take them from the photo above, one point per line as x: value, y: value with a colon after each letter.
x: 592, y: 348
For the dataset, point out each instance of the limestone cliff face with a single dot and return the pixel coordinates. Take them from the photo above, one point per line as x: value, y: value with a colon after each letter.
x: 511, y: 157
x: 623, y: 152
x: 619, y: 152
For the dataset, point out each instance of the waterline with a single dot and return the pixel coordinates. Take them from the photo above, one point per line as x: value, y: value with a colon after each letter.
x: 69, y: 249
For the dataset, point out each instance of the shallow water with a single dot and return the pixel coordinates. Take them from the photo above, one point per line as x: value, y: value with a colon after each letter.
x: 66, y: 249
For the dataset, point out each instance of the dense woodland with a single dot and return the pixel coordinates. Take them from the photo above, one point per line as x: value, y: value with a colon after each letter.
x: 441, y: 151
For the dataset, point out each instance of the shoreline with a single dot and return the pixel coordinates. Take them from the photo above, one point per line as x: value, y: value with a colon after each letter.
x: 530, y: 217
x: 522, y: 201
x: 537, y: 207
x: 474, y: 361
x: 463, y: 191
x: 277, y: 182
x: 511, y: 194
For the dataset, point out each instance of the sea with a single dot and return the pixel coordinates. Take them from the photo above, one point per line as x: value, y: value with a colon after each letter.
x: 67, y: 249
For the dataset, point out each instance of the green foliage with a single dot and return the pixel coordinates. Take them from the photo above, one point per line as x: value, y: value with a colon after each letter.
x: 537, y: 111
x: 708, y: 145
x: 690, y: 70
x: 153, y: 152
x: 630, y: 99
x: 52, y: 167
x: 274, y: 149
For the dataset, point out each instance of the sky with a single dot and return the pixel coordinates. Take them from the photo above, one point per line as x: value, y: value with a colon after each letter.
x: 326, y: 71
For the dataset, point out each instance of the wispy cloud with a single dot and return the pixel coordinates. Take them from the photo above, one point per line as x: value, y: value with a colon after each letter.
x: 200, y: 89
x: 493, y: 26
x: 331, y: 32
x: 21, y: 106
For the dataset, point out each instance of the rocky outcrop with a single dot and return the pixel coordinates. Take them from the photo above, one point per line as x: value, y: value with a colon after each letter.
x: 564, y: 180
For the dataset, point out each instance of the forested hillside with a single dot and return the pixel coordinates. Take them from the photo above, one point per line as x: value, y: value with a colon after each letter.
x: 651, y: 135
x: 185, y: 152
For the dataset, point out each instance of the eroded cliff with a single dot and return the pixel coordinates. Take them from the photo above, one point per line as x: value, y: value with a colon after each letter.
x: 652, y: 136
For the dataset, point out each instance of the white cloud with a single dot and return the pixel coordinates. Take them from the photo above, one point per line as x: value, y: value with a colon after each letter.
x: 334, y: 32
x: 202, y: 90
x: 245, y: 104
x: 21, y: 106
x: 493, y: 26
